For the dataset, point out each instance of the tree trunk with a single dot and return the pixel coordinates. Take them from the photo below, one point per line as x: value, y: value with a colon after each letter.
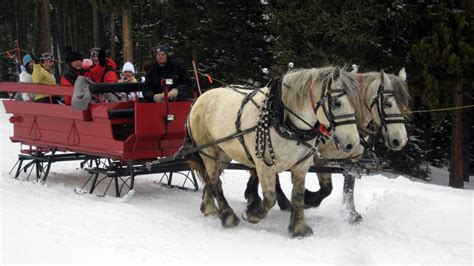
x: 45, y: 15
x: 95, y: 26
x: 21, y: 25
x: 57, y: 39
x: 127, y: 35
x: 113, y: 32
x: 37, y: 25
x: 468, y: 136
x: 456, y: 175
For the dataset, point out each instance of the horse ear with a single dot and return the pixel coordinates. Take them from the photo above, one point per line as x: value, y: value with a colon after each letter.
x: 336, y: 73
x: 403, y: 74
x: 382, y: 76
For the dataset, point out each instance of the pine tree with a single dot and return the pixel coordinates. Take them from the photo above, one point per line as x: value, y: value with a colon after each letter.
x: 447, y: 58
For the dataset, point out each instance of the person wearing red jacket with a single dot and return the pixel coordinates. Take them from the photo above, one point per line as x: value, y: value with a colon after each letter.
x: 74, y: 69
x: 104, y: 69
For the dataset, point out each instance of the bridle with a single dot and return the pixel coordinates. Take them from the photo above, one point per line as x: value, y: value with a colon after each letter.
x: 385, y: 118
x: 327, y: 96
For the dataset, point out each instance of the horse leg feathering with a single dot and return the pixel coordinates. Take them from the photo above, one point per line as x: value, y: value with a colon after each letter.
x: 352, y: 215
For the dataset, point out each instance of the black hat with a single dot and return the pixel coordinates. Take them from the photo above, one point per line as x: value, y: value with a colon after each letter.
x: 73, y: 56
x: 163, y: 48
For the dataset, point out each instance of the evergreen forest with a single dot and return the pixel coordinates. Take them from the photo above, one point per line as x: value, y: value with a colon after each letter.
x: 232, y: 42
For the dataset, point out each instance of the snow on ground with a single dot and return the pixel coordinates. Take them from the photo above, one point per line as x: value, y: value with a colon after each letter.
x: 404, y: 222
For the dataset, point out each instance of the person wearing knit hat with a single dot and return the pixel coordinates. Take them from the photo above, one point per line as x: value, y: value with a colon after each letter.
x: 74, y: 70
x: 27, y: 59
x: 164, y: 68
x: 128, y: 76
x: 74, y: 60
x: 27, y: 69
x: 25, y: 77
x: 128, y: 73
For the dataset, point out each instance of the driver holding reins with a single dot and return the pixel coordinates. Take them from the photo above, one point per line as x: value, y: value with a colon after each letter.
x: 159, y: 77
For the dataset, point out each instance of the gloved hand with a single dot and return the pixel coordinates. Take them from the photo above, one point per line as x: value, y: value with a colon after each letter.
x: 173, y: 94
x: 102, y: 57
x: 160, y: 97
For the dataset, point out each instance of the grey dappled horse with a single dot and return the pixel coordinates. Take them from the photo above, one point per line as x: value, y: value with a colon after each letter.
x: 384, y: 102
x: 254, y: 124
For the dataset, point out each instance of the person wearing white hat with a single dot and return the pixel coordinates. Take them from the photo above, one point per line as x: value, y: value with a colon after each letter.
x: 128, y: 76
x: 128, y: 73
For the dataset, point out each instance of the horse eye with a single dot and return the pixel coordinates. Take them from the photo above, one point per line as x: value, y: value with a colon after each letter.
x: 388, y: 103
x: 336, y: 104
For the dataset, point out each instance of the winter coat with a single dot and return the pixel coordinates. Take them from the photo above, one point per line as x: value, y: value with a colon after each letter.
x: 25, y: 77
x: 42, y: 76
x: 172, y: 70
x: 104, y: 74
x: 67, y: 79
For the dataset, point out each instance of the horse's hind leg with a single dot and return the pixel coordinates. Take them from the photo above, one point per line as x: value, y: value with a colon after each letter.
x: 314, y: 199
x: 348, y: 199
x: 208, y: 206
x: 214, y: 170
x: 282, y: 200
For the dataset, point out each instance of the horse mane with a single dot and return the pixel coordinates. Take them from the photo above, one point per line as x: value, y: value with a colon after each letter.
x: 295, y: 86
x: 402, y: 96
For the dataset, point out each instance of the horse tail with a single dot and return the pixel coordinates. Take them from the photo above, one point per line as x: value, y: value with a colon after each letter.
x: 199, y: 168
x: 193, y: 159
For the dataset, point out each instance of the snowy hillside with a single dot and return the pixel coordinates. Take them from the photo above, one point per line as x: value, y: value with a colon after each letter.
x: 404, y: 222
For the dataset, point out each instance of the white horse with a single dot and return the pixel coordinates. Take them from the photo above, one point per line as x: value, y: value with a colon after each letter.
x: 384, y: 101
x: 255, y: 128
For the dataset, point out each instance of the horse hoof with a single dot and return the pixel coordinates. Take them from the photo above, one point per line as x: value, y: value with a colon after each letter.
x: 354, y: 218
x: 300, y: 230
x: 251, y: 218
x: 209, y: 210
x: 285, y: 206
x: 229, y: 219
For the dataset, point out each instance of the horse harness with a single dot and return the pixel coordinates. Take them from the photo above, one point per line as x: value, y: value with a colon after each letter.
x: 272, y: 115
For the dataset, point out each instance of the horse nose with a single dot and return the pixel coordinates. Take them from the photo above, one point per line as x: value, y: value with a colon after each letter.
x: 348, y: 147
x: 395, y: 143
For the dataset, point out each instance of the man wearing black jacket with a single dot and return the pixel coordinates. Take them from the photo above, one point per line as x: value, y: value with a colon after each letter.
x: 165, y: 68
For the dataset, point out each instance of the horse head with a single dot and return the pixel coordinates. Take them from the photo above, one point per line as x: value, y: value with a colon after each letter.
x: 389, y: 106
x: 337, y: 112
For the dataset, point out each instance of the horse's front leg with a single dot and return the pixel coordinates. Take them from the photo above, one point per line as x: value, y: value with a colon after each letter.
x: 267, y: 181
x: 254, y: 202
x: 314, y: 199
x: 298, y: 225
x: 348, y: 199
x: 253, y: 199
